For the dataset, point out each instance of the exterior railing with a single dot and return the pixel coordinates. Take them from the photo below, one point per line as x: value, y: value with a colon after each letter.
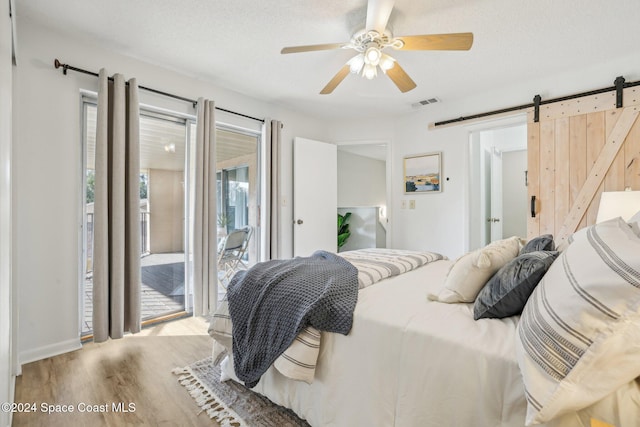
x: 144, y: 238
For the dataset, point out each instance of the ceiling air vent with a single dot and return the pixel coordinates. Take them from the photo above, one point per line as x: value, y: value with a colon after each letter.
x: 425, y: 102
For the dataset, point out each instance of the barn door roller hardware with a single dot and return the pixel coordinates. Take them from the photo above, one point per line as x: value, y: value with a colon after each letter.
x: 619, y: 82
x: 619, y: 85
x: 536, y: 108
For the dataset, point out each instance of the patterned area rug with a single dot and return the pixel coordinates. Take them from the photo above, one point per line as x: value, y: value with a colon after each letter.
x: 230, y: 403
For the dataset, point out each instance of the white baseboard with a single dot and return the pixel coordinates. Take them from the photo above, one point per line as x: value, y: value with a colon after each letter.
x: 8, y: 421
x: 5, y: 419
x: 50, y: 350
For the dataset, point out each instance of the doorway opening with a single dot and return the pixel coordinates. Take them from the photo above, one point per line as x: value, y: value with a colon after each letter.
x: 498, y: 182
x: 167, y: 194
x: 363, y: 192
x: 166, y: 152
x: 238, y: 194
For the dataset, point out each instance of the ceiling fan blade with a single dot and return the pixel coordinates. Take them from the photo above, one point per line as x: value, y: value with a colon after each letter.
x: 452, y: 41
x: 378, y: 12
x: 401, y: 78
x: 336, y: 80
x: 313, y: 47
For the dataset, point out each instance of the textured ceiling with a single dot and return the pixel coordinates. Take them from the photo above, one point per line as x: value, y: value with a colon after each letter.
x: 236, y: 44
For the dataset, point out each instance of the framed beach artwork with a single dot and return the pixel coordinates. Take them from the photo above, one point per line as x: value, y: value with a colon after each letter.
x: 422, y: 173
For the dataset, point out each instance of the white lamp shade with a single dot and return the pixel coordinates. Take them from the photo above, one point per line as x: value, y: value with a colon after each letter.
x: 615, y: 204
x: 370, y: 71
x: 386, y: 62
x: 372, y: 56
x: 356, y: 63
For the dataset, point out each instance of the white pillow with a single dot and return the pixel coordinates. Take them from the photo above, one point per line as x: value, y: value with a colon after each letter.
x: 566, y: 242
x: 300, y: 358
x: 220, y: 327
x: 298, y: 361
x: 578, y: 338
x: 468, y: 275
x: 634, y: 221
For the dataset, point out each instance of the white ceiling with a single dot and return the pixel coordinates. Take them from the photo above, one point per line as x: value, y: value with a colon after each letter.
x: 236, y: 43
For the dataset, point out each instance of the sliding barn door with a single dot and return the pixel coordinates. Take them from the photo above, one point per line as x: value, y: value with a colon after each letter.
x: 578, y: 149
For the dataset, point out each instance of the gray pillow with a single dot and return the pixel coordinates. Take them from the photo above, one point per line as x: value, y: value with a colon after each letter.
x: 506, y: 293
x: 540, y: 243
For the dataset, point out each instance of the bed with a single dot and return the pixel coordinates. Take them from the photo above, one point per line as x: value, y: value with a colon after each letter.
x: 410, y: 361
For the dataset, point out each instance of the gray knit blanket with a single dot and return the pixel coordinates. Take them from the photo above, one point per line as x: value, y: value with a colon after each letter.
x: 273, y: 301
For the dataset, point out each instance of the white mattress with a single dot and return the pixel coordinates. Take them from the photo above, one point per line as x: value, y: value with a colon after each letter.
x: 413, y: 362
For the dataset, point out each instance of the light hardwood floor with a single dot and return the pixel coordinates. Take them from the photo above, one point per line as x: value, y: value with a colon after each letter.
x: 133, y: 370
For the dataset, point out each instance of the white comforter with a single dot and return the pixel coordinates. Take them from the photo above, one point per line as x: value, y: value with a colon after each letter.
x: 413, y: 362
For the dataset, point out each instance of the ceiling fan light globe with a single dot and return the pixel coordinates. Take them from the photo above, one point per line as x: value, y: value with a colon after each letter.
x: 356, y: 63
x: 372, y: 55
x: 386, y: 62
x: 370, y: 71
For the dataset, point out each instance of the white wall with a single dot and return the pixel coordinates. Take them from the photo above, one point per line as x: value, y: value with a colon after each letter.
x: 6, y: 294
x: 48, y: 149
x: 362, y: 184
x: 365, y: 228
x: 440, y: 221
x: 361, y: 180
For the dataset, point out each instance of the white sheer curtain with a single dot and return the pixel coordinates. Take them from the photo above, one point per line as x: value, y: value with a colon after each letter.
x: 272, y: 213
x: 205, y: 281
x: 116, y: 270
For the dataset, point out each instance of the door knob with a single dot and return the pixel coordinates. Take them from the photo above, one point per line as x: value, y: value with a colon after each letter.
x: 299, y: 222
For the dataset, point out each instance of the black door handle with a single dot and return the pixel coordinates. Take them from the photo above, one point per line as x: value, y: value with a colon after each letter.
x: 533, y: 206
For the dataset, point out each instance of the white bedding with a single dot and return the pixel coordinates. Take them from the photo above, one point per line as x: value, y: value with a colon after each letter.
x: 298, y: 362
x: 413, y: 362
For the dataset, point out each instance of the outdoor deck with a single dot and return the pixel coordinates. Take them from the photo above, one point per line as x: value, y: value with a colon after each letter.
x: 162, y: 277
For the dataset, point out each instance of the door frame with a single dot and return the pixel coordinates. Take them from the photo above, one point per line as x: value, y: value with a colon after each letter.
x: 388, y: 183
x: 497, y: 191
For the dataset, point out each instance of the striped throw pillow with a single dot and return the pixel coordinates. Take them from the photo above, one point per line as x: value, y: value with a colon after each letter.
x: 579, y: 335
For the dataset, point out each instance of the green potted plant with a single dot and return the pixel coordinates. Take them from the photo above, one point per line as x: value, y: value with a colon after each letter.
x: 343, y: 229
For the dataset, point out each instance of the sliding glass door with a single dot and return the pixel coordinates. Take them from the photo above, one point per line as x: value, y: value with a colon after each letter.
x: 166, y: 145
x: 167, y: 156
x: 237, y: 175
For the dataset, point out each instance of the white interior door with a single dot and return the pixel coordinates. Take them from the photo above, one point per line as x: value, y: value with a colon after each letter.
x: 514, y: 193
x: 315, y: 197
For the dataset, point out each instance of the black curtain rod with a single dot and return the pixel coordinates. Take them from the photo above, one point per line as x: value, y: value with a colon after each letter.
x: 66, y: 67
x: 538, y: 101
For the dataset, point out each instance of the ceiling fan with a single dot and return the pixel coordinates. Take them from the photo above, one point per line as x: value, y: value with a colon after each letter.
x: 370, y: 43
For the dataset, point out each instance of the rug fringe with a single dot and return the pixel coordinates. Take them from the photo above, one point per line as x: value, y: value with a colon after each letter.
x: 206, y: 400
